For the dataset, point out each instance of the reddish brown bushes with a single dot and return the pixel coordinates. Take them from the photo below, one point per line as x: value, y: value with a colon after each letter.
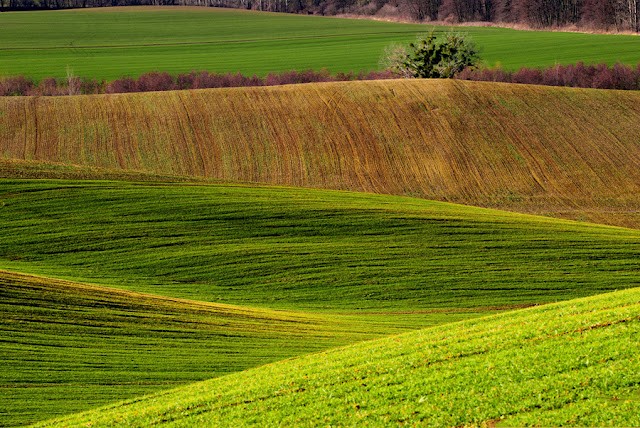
x: 204, y: 79
x: 161, y: 81
x: 16, y: 86
x: 578, y: 75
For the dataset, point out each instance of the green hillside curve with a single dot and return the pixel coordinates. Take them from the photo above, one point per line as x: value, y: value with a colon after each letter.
x: 67, y: 347
x: 359, y: 265
x: 569, y: 364
x: 564, y: 152
x: 305, y: 249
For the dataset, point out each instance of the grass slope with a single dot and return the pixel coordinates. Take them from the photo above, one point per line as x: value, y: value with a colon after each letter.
x: 16, y: 168
x: 68, y: 347
x: 574, y: 363
x: 308, y: 249
x: 111, y: 42
x: 565, y: 152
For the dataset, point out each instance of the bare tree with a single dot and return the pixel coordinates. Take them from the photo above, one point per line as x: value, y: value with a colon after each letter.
x: 424, y: 9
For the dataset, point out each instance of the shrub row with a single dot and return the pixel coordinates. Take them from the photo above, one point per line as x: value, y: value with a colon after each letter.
x: 578, y: 75
x: 160, y: 81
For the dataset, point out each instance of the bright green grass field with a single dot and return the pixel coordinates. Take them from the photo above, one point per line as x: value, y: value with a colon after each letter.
x: 108, y: 43
x: 69, y: 347
x: 359, y: 265
x: 570, y: 364
x: 285, y: 248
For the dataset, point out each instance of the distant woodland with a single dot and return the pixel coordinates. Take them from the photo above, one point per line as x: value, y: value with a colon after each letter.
x: 606, y: 15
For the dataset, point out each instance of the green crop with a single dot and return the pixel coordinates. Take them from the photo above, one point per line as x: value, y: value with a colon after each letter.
x: 569, y: 364
x: 305, y: 249
x: 359, y: 266
x: 110, y: 43
x: 68, y: 347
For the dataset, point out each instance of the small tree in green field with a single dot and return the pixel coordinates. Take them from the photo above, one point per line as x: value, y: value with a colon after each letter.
x: 433, y: 56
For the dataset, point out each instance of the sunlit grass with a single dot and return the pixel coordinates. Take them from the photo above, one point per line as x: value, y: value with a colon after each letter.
x: 359, y: 266
x: 569, y: 364
x: 108, y: 43
x: 68, y: 347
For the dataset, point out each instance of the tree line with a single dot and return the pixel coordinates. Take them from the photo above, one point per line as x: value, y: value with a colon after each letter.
x: 618, y: 15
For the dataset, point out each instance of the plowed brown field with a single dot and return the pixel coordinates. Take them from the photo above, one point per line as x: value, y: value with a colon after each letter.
x: 573, y: 153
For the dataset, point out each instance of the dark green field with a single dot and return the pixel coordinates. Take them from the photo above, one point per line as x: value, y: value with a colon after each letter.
x: 68, y: 347
x: 359, y: 265
x: 108, y: 43
x: 305, y: 249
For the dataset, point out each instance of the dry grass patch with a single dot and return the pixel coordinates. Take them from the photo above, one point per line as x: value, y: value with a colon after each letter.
x: 572, y: 153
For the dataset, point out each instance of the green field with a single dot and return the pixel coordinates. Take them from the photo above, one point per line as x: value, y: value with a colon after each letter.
x: 68, y: 347
x: 569, y: 364
x: 108, y: 43
x: 289, y: 248
x: 338, y: 267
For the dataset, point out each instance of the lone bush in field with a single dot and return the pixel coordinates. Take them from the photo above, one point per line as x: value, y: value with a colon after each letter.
x: 434, y: 56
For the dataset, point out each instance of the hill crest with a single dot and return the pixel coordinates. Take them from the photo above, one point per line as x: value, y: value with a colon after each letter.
x: 565, y: 152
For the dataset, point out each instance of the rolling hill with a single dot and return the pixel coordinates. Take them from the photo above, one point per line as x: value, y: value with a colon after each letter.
x: 569, y: 364
x: 171, y: 271
x: 571, y: 153
x: 339, y: 267
x: 68, y: 347
x: 305, y: 249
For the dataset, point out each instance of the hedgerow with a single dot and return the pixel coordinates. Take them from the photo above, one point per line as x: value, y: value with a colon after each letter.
x: 162, y: 81
x: 580, y: 75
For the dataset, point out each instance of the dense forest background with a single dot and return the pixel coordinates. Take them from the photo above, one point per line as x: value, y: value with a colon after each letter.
x: 607, y: 15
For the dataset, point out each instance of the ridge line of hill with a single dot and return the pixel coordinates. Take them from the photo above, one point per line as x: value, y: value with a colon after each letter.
x: 563, y: 152
x: 21, y: 277
x: 556, y: 364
